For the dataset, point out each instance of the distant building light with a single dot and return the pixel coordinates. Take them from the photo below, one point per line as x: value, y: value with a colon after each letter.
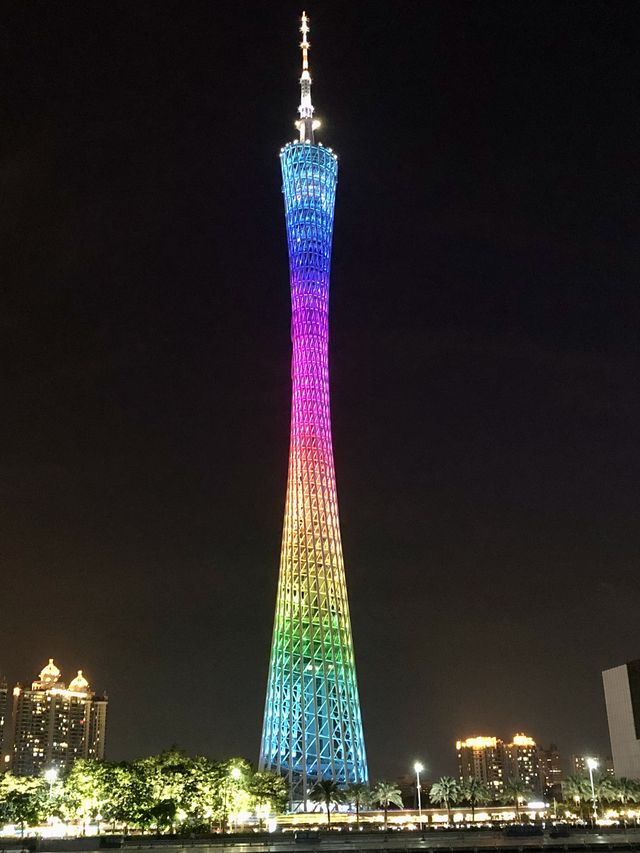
x: 480, y: 742
x: 523, y: 740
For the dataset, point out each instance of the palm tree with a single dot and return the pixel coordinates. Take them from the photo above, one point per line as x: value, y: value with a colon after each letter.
x: 623, y: 791
x: 445, y: 792
x: 514, y: 793
x: 327, y: 791
x: 475, y: 793
x: 578, y: 789
x: 359, y: 794
x: 386, y: 794
x: 606, y: 790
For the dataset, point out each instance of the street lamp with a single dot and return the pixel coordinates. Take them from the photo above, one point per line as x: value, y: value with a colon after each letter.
x: 51, y: 775
x: 419, y: 768
x: 592, y: 764
x: 235, y: 773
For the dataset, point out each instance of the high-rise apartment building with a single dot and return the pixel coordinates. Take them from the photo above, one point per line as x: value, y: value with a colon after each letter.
x: 580, y: 767
x: 622, y: 698
x: 494, y: 762
x: 483, y: 758
x: 522, y: 762
x: 551, y: 772
x: 53, y: 725
x: 312, y: 728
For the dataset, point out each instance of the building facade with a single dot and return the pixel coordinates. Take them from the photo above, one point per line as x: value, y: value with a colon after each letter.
x: 551, y: 772
x: 495, y: 763
x: 522, y: 763
x: 580, y: 767
x: 53, y: 725
x: 482, y: 758
x: 622, y: 698
x: 312, y: 727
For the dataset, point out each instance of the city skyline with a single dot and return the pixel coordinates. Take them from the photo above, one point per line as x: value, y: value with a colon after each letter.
x: 567, y: 763
x: 483, y: 362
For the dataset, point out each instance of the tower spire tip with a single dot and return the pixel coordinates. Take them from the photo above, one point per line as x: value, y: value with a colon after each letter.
x: 306, y: 123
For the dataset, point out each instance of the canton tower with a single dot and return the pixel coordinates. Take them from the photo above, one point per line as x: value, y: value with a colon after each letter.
x: 312, y: 727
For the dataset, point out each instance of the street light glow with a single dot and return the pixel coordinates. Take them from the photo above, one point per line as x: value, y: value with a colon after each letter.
x: 592, y: 764
x: 419, y: 768
x: 236, y: 773
x: 51, y: 775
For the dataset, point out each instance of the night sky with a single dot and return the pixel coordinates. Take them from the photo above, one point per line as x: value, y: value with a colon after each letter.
x: 484, y: 359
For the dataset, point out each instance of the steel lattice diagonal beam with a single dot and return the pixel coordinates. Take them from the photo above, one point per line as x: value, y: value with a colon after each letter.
x: 312, y: 724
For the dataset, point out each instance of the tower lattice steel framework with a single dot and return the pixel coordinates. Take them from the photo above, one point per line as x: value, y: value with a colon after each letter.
x: 312, y: 725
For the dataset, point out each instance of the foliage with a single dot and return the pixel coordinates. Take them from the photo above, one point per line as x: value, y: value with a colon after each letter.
x: 359, y: 795
x: 328, y: 792
x: 269, y: 791
x: 515, y: 793
x: 577, y: 792
x: 387, y: 794
x: 22, y: 799
x: 622, y: 791
x: 173, y: 792
x: 476, y: 793
x: 445, y: 792
x: 85, y: 793
x: 160, y: 793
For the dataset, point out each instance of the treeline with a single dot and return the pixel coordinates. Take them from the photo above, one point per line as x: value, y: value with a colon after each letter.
x: 161, y: 793
x: 577, y: 794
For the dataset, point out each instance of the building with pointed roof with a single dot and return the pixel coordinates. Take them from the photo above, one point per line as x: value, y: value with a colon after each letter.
x: 53, y: 725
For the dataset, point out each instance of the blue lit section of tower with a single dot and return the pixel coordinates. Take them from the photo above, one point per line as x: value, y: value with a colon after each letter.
x: 312, y: 724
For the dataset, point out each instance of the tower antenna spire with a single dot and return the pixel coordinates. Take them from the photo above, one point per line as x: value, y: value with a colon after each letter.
x: 306, y: 124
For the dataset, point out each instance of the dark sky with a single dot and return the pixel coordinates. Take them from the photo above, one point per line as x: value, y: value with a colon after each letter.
x: 484, y: 359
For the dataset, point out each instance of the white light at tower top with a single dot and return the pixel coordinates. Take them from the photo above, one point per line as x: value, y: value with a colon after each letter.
x: 306, y: 124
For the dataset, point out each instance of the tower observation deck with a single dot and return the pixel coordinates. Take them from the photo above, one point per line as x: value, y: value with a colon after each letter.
x: 312, y: 726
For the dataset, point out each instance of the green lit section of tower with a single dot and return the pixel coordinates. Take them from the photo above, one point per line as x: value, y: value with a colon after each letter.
x: 312, y: 725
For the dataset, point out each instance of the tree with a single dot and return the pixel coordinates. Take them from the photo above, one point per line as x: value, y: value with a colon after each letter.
x: 235, y: 775
x: 578, y: 790
x: 207, y: 789
x: 22, y: 799
x: 85, y: 791
x: 164, y: 779
x: 625, y: 791
x: 163, y: 814
x: 386, y: 794
x: 123, y: 787
x: 622, y: 791
x: 514, y: 793
x: 360, y: 796
x: 269, y: 793
x: 445, y: 792
x: 327, y: 791
x: 476, y: 793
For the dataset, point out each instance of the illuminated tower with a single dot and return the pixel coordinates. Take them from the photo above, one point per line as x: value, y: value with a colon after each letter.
x: 312, y: 726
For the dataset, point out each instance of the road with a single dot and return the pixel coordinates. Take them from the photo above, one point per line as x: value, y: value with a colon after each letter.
x: 404, y: 842
x: 346, y: 842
